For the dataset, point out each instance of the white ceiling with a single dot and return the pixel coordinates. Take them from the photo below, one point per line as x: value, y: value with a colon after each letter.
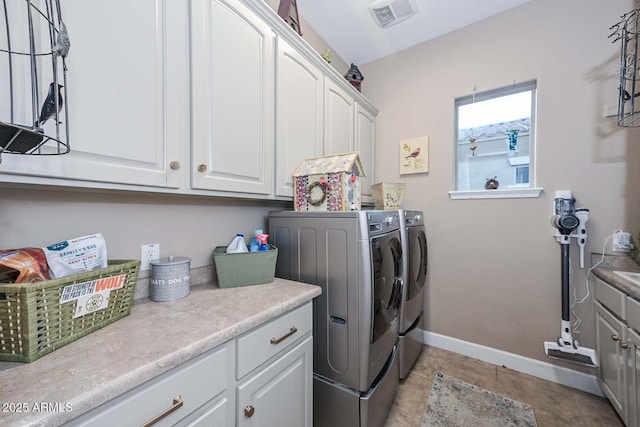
x: 348, y: 27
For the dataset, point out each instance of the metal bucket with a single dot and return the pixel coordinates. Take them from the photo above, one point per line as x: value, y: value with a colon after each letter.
x: 170, y: 278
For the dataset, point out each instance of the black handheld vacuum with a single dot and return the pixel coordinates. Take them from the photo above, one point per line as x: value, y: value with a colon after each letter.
x: 567, y: 220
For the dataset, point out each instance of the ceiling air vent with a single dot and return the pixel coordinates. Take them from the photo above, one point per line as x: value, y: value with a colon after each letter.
x: 389, y: 12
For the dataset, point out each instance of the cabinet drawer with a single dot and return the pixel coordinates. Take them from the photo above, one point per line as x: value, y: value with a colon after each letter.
x: 196, y: 382
x: 633, y: 314
x: 268, y: 340
x: 611, y: 298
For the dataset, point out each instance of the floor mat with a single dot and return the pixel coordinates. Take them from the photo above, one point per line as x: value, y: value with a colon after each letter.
x: 455, y: 403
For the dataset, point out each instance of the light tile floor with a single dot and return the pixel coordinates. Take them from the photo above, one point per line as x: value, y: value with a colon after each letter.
x: 554, y: 405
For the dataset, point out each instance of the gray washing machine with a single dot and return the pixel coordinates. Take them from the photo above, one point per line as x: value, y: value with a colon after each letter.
x: 356, y: 258
x: 414, y: 253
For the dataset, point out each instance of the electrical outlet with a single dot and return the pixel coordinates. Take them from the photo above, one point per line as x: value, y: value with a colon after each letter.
x: 622, y: 242
x: 148, y: 253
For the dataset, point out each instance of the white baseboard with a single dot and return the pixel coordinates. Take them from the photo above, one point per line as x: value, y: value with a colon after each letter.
x: 557, y: 374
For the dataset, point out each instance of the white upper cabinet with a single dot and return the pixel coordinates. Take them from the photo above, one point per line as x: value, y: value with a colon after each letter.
x: 299, y: 114
x: 203, y: 97
x: 339, y: 107
x: 364, y: 144
x: 122, y: 127
x: 232, y: 98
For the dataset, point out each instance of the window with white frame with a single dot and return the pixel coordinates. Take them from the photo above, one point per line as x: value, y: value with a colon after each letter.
x: 495, y: 138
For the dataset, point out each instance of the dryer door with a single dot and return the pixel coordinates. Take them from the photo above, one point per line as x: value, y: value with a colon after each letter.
x: 417, y: 262
x: 386, y: 254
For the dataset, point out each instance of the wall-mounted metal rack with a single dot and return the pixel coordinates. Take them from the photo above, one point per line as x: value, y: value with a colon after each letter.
x: 34, y: 43
x: 626, y: 31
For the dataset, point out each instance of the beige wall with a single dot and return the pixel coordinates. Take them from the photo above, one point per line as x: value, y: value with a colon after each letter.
x: 183, y: 226
x: 494, y: 275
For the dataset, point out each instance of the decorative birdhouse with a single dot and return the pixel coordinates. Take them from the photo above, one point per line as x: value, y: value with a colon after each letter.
x: 330, y: 183
x: 288, y: 10
x: 354, y: 76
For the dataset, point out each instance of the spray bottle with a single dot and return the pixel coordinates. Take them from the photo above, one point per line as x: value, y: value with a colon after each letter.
x: 254, y: 245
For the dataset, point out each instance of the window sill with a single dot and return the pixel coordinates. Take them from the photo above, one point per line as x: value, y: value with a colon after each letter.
x: 509, y: 193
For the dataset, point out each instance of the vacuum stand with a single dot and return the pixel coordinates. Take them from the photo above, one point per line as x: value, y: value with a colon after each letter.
x: 566, y: 348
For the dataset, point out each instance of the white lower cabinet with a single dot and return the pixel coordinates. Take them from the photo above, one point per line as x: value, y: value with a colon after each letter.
x: 611, y: 372
x: 217, y: 414
x: 281, y: 394
x: 618, y: 346
x: 169, y: 398
x: 261, y: 378
x: 634, y: 378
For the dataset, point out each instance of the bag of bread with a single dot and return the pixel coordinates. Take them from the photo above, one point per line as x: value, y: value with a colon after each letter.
x: 25, y: 265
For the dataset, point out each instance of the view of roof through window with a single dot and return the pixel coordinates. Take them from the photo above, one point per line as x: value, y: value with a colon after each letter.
x: 495, y: 110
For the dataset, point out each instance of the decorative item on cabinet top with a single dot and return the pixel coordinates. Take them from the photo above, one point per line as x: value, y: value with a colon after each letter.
x: 288, y: 10
x: 354, y: 76
x: 327, y: 56
x: 329, y: 183
x: 39, y: 123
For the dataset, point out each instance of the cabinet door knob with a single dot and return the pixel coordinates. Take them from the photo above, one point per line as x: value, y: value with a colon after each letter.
x: 249, y: 410
x: 615, y: 337
x: 202, y: 168
x: 175, y: 165
x: 625, y: 346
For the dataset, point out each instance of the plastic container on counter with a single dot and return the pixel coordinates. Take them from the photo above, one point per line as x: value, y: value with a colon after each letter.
x: 237, y: 245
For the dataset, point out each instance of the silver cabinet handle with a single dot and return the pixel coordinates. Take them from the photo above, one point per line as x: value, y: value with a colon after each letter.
x: 625, y: 346
x: 292, y: 331
x: 202, y: 168
x: 177, y: 403
x: 248, y: 411
x: 175, y: 165
x: 616, y: 338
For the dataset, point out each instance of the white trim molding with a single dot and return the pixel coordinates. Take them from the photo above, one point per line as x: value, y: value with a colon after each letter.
x: 507, y: 193
x: 547, y: 371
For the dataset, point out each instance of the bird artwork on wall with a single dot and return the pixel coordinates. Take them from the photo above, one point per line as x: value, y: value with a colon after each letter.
x: 414, y: 156
x: 49, y: 109
x: 415, y: 153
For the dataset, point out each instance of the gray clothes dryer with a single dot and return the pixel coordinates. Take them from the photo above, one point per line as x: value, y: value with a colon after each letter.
x: 356, y: 258
x: 414, y: 253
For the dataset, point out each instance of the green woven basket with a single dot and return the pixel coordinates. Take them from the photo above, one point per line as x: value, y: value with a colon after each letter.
x: 245, y: 268
x: 34, y: 323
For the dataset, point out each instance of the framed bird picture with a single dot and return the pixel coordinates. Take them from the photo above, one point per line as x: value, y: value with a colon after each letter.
x: 414, y: 155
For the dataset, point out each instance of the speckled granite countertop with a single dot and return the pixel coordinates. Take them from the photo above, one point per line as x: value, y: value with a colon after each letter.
x: 155, y: 338
x: 605, y: 271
